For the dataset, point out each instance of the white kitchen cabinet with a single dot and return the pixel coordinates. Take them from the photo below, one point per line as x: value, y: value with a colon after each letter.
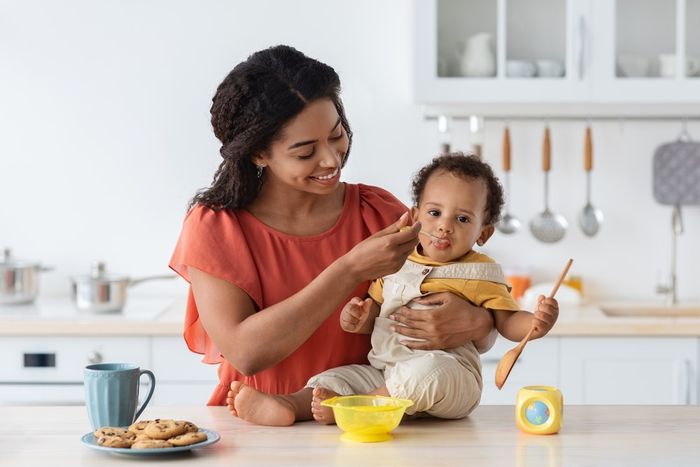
x: 537, y: 365
x: 629, y: 370
x: 182, y: 378
x: 611, y: 52
x: 49, y: 371
x: 39, y: 370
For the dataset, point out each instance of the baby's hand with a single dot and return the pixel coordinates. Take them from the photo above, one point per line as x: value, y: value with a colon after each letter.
x: 355, y: 314
x: 545, y: 315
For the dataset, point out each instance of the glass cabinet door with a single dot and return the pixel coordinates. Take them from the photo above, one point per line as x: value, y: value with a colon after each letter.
x: 536, y: 38
x: 505, y: 38
x: 655, y: 58
x: 645, y: 38
x: 467, y: 31
x: 692, y: 39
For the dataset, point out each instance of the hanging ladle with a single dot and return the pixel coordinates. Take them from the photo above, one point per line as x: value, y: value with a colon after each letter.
x: 590, y: 218
x: 508, y: 224
x: 510, y: 357
x: 547, y: 226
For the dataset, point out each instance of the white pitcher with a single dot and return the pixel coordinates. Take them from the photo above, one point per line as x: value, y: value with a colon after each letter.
x: 477, y: 56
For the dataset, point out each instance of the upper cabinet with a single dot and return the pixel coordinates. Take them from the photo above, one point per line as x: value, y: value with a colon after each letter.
x: 603, y: 55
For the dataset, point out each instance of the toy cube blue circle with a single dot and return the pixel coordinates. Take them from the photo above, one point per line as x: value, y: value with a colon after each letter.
x: 537, y: 413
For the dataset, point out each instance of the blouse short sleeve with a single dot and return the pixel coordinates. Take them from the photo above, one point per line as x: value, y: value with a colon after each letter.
x: 206, y: 233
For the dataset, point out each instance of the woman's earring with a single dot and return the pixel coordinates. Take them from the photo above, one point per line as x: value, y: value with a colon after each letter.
x: 480, y: 243
x: 260, y: 170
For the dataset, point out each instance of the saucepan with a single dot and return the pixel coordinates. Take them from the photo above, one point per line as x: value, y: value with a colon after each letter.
x: 100, y: 292
x: 19, y: 280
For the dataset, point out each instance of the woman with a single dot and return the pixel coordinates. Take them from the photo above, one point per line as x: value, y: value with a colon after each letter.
x: 277, y: 244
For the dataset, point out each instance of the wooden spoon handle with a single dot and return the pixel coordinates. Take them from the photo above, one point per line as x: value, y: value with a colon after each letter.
x: 546, y: 151
x: 506, y: 150
x: 588, y: 150
x: 561, y: 278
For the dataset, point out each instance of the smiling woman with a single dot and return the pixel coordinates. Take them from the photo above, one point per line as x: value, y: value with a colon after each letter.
x: 277, y: 243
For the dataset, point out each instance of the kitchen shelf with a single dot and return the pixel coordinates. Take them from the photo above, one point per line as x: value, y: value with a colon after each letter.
x: 603, y: 58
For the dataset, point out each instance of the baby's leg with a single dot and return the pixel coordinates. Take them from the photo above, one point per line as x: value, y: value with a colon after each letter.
x: 343, y: 381
x: 268, y: 409
x: 437, y: 383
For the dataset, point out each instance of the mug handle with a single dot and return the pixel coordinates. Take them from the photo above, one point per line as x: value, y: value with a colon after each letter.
x: 152, y: 377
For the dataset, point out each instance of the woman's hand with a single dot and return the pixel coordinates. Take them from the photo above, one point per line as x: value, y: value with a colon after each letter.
x: 451, y: 323
x: 384, y: 252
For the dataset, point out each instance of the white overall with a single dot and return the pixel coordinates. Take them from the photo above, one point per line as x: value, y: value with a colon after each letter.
x: 442, y: 383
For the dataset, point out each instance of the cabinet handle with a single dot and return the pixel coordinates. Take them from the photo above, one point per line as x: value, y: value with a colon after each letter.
x: 581, y: 46
x: 95, y: 357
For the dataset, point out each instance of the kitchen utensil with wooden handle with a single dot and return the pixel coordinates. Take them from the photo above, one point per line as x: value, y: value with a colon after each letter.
x: 508, y: 224
x: 508, y: 360
x: 548, y: 227
x: 590, y: 218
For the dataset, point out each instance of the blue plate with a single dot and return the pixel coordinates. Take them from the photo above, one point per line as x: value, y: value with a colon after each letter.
x: 90, y: 441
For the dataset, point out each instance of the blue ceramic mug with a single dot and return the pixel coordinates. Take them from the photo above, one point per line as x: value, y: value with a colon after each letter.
x: 112, y: 393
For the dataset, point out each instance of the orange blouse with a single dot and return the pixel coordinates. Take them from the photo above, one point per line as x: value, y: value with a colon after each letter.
x: 270, y: 266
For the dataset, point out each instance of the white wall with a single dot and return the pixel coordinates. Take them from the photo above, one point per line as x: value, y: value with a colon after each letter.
x: 104, y: 136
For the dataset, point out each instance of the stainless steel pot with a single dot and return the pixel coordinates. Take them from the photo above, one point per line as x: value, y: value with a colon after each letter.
x: 100, y: 292
x: 19, y: 280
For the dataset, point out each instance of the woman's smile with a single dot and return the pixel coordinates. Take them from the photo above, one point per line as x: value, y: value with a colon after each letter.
x: 327, y: 179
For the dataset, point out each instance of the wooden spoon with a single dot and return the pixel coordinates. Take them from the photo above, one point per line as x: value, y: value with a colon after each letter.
x: 510, y: 357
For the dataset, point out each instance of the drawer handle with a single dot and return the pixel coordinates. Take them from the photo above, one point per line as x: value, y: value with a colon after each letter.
x: 95, y: 357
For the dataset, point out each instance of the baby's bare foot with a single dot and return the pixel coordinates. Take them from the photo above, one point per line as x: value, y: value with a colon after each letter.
x: 231, y: 397
x: 322, y: 414
x: 259, y: 408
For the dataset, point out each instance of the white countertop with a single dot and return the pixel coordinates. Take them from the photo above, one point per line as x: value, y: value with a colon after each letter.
x: 165, y: 316
x: 591, y: 436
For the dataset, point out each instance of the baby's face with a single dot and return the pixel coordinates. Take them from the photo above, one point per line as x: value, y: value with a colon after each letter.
x: 451, y: 210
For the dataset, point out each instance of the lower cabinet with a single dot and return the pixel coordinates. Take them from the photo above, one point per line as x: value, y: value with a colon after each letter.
x: 182, y: 378
x: 537, y: 365
x: 629, y: 370
x: 49, y: 370
x: 588, y: 370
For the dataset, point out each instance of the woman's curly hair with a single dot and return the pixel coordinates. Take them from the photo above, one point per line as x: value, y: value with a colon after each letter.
x: 250, y: 107
x: 469, y: 167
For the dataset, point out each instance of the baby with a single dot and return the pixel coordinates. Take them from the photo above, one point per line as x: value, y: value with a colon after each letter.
x: 457, y: 200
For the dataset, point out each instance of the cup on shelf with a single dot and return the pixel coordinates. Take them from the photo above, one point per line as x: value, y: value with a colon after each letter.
x: 520, y: 69
x: 550, y: 68
x: 633, y: 66
x: 667, y: 66
x: 112, y: 393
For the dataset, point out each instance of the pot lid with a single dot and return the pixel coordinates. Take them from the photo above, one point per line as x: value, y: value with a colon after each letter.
x: 98, y: 272
x: 7, y: 260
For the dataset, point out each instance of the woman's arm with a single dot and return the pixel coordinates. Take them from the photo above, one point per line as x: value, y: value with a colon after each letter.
x: 253, y: 341
x: 453, y: 322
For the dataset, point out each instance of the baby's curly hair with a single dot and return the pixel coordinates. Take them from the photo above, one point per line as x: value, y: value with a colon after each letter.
x: 466, y: 166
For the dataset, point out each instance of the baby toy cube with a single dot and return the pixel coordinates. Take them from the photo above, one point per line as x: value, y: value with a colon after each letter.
x: 539, y: 409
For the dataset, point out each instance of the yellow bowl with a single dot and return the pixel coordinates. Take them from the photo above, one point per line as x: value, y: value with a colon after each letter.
x: 367, y: 419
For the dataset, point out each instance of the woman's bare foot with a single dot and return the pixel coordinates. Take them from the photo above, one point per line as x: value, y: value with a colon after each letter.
x: 322, y: 414
x: 259, y: 408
